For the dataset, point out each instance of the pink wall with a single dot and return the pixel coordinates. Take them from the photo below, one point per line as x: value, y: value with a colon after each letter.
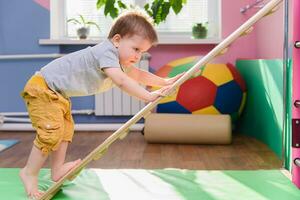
x: 244, y: 47
x: 255, y: 45
x: 270, y: 35
x: 44, y: 3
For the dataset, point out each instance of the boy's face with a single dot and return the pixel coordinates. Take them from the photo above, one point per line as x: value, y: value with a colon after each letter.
x: 130, y: 48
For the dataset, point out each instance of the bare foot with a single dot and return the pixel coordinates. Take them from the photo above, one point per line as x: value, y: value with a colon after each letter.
x: 65, y: 168
x: 30, y: 184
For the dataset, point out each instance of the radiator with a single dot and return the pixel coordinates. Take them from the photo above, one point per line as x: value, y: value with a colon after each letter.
x: 114, y: 102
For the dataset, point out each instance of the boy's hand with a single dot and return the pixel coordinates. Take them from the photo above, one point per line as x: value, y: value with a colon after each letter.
x: 170, y: 81
x: 162, y: 92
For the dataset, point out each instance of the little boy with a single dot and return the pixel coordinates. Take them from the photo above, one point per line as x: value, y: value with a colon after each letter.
x: 85, y: 72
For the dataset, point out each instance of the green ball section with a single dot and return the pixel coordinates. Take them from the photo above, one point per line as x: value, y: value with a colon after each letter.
x: 181, y: 68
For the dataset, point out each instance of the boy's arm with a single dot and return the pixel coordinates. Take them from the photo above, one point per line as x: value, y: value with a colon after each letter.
x: 130, y: 86
x: 146, y: 78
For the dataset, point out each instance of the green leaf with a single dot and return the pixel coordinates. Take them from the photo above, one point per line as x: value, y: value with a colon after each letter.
x: 156, y: 10
x: 111, y: 9
x: 100, y: 3
x: 74, y: 21
x: 82, y: 19
x: 114, y: 13
x: 146, y: 7
x: 176, y: 5
x: 165, y: 11
x: 121, y: 5
x: 160, y: 10
x: 155, y: 7
x: 93, y: 23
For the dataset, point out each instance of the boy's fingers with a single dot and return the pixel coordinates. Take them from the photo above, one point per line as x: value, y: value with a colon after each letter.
x: 159, y: 93
x: 167, y: 91
x: 163, y: 93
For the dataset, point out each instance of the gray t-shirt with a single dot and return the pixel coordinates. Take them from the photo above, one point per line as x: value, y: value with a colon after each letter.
x: 80, y: 73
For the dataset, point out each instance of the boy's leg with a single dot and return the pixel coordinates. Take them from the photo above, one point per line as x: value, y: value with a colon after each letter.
x: 29, y: 174
x: 58, y: 166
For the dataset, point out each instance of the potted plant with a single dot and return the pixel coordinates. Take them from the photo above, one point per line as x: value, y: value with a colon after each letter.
x: 83, y: 29
x: 199, y: 30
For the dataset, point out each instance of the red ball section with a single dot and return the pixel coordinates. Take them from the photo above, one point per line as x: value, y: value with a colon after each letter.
x: 197, y: 93
x: 237, y: 76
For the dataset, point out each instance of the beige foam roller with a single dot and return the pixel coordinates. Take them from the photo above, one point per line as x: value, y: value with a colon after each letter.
x: 188, y: 129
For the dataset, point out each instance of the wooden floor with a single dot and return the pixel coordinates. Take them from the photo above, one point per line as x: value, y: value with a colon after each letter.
x: 133, y: 152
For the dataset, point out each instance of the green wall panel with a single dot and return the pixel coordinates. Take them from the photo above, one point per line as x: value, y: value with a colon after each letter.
x: 262, y: 117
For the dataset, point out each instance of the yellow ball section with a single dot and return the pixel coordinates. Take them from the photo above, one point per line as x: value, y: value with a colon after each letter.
x: 217, y: 73
x: 182, y: 61
x: 208, y: 110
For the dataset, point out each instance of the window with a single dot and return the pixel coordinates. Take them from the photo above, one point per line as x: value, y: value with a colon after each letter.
x: 176, y: 26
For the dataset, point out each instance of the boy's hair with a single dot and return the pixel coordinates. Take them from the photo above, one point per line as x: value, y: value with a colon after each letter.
x: 134, y: 22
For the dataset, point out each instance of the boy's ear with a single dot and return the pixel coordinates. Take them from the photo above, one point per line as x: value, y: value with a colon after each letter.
x: 116, y: 40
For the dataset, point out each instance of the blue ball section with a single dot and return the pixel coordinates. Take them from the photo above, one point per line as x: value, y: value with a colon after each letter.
x: 171, y: 107
x: 229, y: 97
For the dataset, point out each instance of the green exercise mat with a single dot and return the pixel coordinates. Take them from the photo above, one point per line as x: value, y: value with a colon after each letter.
x: 164, y: 184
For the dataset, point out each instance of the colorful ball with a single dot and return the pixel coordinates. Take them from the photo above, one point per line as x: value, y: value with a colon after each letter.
x: 217, y: 89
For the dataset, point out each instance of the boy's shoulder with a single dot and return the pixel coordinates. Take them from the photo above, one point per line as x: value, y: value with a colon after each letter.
x: 105, y: 47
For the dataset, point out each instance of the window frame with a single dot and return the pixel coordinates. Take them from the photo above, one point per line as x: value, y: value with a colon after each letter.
x: 58, y: 28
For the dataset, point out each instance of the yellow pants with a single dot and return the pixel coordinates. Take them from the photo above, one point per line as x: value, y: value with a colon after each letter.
x: 50, y: 114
